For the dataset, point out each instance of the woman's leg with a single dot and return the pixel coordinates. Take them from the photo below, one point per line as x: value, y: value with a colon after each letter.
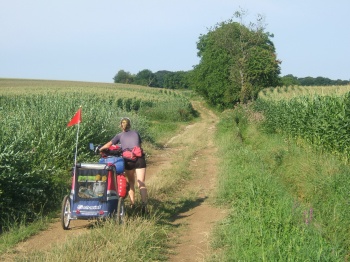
x: 130, y: 175
x: 141, y: 177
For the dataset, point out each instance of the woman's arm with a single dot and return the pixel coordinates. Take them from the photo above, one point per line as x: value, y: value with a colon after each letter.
x: 105, y: 146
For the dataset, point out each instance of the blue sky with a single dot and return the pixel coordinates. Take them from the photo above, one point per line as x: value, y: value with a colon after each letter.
x: 90, y: 40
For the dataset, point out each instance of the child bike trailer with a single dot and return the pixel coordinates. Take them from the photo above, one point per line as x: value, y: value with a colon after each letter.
x: 98, y: 192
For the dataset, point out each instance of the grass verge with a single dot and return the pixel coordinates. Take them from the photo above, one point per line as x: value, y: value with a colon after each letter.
x: 287, y: 203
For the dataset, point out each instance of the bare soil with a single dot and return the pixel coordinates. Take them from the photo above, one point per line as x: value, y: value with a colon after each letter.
x: 193, y: 238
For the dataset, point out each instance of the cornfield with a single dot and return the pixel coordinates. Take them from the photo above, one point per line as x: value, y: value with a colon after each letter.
x: 36, y: 147
x: 289, y: 92
x: 322, y: 120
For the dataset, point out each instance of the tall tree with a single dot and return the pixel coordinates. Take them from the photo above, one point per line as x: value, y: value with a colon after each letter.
x: 146, y: 78
x: 289, y: 80
x: 161, y: 75
x: 176, y: 80
x: 123, y: 77
x: 237, y: 61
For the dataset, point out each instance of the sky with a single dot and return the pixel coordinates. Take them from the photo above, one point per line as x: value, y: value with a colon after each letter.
x: 90, y: 40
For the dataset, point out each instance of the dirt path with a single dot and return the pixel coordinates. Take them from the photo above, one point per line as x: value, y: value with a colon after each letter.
x: 193, y: 242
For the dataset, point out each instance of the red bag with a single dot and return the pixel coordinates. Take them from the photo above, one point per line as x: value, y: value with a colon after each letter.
x: 114, y: 147
x: 137, y: 151
x: 122, y: 185
x: 133, y: 154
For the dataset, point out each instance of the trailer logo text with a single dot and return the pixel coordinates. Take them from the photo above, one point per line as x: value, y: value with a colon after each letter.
x: 88, y: 207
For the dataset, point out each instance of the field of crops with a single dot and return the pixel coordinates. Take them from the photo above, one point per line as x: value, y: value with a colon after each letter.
x: 37, y: 148
x: 318, y: 115
x: 286, y: 93
x: 20, y: 86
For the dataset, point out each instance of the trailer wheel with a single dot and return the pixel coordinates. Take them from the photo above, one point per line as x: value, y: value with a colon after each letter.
x: 65, y: 213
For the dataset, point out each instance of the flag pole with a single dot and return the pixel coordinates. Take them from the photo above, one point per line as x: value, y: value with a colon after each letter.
x: 75, y: 159
x: 76, y: 120
x: 76, y: 149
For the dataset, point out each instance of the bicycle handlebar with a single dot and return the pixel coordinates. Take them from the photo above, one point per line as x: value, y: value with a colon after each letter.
x: 108, y: 152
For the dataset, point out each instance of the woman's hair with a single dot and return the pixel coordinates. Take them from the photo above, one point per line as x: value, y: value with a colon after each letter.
x: 128, y: 122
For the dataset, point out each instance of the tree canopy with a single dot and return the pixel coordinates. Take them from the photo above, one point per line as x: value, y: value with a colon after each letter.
x: 123, y: 77
x: 236, y: 63
x: 146, y: 78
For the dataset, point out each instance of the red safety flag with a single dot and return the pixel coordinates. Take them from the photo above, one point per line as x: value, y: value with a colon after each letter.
x: 76, y: 118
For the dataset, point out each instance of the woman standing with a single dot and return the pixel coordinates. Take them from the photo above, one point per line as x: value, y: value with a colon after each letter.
x: 128, y: 140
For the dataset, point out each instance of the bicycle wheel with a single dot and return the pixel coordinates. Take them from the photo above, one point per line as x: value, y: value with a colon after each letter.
x: 65, y: 213
x: 120, y: 213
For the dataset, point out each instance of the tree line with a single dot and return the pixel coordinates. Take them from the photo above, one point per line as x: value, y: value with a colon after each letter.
x: 163, y: 79
x: 237, y: 61
x: 181, y: 79
x: 290, y: 80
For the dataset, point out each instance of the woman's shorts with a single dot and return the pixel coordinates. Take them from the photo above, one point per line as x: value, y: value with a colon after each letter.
x: 140, y: 162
